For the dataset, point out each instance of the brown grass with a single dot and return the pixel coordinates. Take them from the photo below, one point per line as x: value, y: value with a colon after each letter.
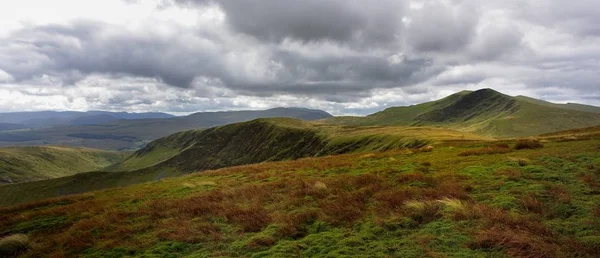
x: 559, y: 193
x: 532, y: 204
x: 513, y: 174
x: 515, y: 242
x: 494, y: 149
x: 528, y: 144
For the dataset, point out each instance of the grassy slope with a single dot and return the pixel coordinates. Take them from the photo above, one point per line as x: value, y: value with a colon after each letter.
x: 276, y: 139
x: 486, y: 112
x: 573, y: 106
x: 236, y: 144
x: 22, y: 164
x: 528, y: 203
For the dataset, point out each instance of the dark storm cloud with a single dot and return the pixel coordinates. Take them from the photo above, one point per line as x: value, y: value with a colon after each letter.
x: 313, y: 20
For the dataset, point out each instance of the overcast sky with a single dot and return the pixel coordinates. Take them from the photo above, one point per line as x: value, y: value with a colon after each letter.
x: 342, y: 56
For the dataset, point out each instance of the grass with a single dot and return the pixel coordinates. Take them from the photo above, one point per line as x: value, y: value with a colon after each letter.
x: 13, y: 244
x: 396, y: 203
x: 492, y: 149
x: 23, y: 164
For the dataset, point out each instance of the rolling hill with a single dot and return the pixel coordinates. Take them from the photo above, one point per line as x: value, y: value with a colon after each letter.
x: 255, y: 141
x: 516, y: 203
x: 486, y: 112
x: 135, y: 133
x: 23, y: 164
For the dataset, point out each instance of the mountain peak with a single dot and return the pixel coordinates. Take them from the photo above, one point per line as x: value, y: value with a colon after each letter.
x: 478, y: 104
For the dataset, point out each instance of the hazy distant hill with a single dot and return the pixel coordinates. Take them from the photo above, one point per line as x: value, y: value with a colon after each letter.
x: 119, y: 134
x: 54, y: 118
x: 486, y: 112
x: 10, y: 126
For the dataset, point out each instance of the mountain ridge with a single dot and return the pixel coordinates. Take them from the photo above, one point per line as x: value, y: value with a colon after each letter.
x: 486, y: 112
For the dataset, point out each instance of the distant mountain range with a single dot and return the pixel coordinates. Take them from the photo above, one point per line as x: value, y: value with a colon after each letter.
x: 486, y: 112
x: 42, y: 119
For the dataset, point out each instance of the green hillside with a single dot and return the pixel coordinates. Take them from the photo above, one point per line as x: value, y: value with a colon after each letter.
x: 250, y: 142
x: 23, y: 164
x: 486, y: 112
x: 462, y: 199
x: 572, y: 106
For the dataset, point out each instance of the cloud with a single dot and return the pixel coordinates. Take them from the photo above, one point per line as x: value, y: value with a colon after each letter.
x: 348, y: 57
x: 313, y: 20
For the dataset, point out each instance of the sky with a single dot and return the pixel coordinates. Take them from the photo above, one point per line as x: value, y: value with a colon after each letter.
x: 347, y: 57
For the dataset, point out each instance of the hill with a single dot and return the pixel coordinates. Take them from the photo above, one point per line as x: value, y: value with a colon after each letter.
x: 132, y: 134
x: 486, y: 112
x: 256, y: 141
x: 10, y: 126
x: 459, y: 200
x: 41, y: 119
x: 23, y: 164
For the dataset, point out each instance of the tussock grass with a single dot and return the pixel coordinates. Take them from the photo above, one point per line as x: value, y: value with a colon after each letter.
x: 528, y: 144
x: 494, y: 149
x: 13, y: 244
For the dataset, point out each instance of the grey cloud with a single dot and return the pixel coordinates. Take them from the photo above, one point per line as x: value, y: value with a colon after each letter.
x: 73, y: 52
x: 349, y: 22
x: 438, y: 27
x: 335, y: 52
x: 83, y: 48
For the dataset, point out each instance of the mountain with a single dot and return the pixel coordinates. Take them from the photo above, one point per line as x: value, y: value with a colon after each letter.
x: 93, y: 119
x: 23, y: 164
x: 260, y: 140
x: 42, y: 119
x: 10, y: 126
x: 486, y: 112
x: 132, y: 134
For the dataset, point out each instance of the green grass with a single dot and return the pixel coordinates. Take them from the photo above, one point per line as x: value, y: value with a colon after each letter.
x: 525, y: 203
x: 23, y: 164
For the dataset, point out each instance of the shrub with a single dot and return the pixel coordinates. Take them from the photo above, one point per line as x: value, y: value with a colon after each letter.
x: 528, y: 144
x: 13, y: 244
